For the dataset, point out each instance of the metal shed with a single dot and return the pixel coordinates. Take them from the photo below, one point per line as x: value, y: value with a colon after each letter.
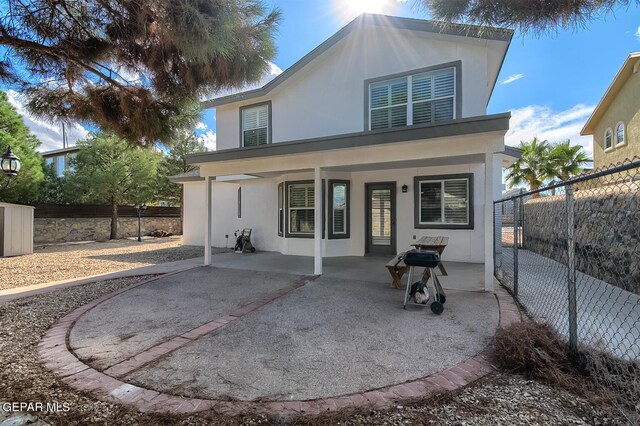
x: 16, y: 229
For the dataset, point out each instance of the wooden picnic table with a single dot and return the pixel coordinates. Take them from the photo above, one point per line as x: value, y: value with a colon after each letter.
x: 433, y: 243
x: 397, y: 268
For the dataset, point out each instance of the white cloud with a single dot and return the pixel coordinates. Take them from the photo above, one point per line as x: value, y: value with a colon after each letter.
x: 201, y: 126
x: 637, y: 34
x: 49, y: 134
x: 547, y: 124
x: 512, y: 78
x: 209, y: 139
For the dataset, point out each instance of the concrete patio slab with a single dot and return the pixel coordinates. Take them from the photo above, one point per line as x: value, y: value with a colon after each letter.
x: 140, y: 318
x: 329, y: 337
x: 462, y: 276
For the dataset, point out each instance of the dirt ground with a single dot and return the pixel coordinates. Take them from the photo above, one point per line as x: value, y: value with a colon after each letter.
x: 497, y: 399
x: 77, y: 260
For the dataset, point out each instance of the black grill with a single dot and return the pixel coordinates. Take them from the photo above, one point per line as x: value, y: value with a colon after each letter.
x: 424, y: 259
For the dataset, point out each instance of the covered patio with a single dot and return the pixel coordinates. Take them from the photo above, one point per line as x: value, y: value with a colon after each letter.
x: 371, y: 269
x: 471, y: 148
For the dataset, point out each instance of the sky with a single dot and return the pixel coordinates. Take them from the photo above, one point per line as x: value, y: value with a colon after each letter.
x: 550, y: 83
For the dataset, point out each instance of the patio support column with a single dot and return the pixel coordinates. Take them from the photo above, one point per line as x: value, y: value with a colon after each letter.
x: 317, y: 234
x: 208, y: 217
x: 489, y: 181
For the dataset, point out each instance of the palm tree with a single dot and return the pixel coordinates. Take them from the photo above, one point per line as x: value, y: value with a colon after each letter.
x: 567, y: 160
x: 532, y: 167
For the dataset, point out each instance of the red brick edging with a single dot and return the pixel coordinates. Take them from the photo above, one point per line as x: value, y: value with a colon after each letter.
x: 57, y: 357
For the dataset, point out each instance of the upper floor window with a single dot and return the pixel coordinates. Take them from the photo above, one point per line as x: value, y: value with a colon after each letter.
x: 255, y: 125
x: 414, y: 99
x: 620, y: 134
x: 608, y: 139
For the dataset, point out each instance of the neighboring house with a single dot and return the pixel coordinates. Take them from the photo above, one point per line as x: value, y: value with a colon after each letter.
x: 615, y: 123
x: 380, y: 135
x: 60, y: 159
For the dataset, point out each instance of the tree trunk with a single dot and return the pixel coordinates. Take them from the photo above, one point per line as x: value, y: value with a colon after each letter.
x: 114, y: 220
x: 533, y: 187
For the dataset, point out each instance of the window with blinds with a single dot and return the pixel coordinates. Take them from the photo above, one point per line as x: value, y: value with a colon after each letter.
x: 415, y: 99
x: 280, y: 209
x: 300, y: 208
x: 444, y: 201
x: 255, y: 125
x: 338, y: 209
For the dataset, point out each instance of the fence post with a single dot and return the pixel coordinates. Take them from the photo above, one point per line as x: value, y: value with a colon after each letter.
x: 571, y: 268
x: 495, y: 240
x: 516, y: 215
x: 522, y: 208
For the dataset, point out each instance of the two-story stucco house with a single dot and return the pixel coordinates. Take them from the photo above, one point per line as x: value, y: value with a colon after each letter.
x: 615, y: 123
x: 376, y: 137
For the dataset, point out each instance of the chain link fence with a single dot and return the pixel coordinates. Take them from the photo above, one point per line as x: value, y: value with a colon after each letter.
x: 570, y: 255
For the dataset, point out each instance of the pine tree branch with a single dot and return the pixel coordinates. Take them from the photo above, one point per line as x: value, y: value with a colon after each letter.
x: 17, y: 43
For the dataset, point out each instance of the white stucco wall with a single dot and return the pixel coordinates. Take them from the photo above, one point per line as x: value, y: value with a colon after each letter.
x: 327, y: 97
x: 259, y: 211
x: 194, y: 213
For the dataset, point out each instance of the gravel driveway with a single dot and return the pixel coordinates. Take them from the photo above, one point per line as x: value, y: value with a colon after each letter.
x: 62, y: 262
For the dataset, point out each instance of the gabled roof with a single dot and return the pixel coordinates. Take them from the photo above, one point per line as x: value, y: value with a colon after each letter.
x: 629, y: 66
x: 60, y: 151
x: 367, y: 19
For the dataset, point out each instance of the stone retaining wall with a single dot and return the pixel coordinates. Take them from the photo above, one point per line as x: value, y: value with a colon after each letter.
x: 60, y: 230
x: 607, y: 233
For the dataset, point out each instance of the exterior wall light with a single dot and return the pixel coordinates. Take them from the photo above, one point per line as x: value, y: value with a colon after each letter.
x: 9, y: 165
x: 405, y: 188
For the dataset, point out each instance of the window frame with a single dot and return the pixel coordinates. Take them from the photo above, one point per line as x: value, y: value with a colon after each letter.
x: 269, y: 126
x: 457, y: 96
x: 604, y: 142
x: 347, y: 210
x: 287, y: 232
x: 624, y: 135
x: 416, y: 201
x: 281, y: 210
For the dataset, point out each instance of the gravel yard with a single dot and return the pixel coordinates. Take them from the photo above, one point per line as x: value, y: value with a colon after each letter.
x: 499, y: 399
x: 61, y: 262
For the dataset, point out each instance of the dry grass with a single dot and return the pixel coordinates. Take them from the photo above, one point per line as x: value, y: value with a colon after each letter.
x: 61, y: 262
x: 537, y: 352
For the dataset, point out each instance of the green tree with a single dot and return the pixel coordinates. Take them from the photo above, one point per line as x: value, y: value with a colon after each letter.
x: 530, y: 15
x: 532, y: 167
x: 131, y: 66
x: 110, y: 170
x: 52, y: 187
x: 13, y: 132
x: 567, y: 160
x: 175, y: 162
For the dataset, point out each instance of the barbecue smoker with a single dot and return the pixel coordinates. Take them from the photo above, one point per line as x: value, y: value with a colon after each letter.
x: 425, y: 259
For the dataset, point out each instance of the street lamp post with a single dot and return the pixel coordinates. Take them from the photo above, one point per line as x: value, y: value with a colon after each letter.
x: 139, y: 209
x: 9, y: 165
